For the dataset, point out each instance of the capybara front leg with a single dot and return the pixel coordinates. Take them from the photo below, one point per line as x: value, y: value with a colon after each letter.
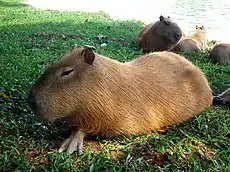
x: 73, y: 143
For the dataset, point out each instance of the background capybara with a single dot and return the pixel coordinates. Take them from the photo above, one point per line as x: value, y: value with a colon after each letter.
x: 195, y: 42
x: 200, y: 37
x: 103, y: 96
x: 186, y: 45
x: 223, y: 98
x: 159, y: 36
x: 221, y: 53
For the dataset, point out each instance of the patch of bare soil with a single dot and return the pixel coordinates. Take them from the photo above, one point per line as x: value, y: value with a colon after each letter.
x: 54, y: 36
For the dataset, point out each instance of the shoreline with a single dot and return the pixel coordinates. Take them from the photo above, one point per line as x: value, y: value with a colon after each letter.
x: 130, y: 14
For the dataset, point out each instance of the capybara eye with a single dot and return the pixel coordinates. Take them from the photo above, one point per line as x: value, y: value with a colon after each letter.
x: 178, y: 35
x: 67, y: 72
x: 167, y: 22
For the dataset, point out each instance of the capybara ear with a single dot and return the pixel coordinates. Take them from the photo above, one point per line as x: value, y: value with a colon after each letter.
x: 169, y: 17
x: 88, y: 55
x: 161, y: 18
x: 202, y: 27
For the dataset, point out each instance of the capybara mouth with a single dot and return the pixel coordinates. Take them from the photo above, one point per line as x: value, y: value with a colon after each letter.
x: 31, y: 102
x: 37, y: 111
x: 42, y: 115
x: 35, y: 107
x: 172, y: 40
x: 168, y: 40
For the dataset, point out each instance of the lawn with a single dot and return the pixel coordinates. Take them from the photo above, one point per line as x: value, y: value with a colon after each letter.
x: 31, y: 39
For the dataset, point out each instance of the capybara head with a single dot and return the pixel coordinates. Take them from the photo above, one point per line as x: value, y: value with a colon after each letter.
x: 56, y: 92
x: 168, y: 29
x: 201, y: 29
x: 159, y: 35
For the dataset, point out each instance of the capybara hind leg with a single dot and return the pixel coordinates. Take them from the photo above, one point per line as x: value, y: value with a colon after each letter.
x: 73, y: 143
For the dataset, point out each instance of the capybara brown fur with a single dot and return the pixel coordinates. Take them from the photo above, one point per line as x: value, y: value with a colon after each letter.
x: 195, y: 42
x: 221, y: 53
x: 223, y: 98
x: 102, y: 96
x: 186, y: 45
x: 159, y: 36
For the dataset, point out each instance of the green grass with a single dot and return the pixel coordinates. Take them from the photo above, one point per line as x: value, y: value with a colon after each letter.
x: 31, y: 38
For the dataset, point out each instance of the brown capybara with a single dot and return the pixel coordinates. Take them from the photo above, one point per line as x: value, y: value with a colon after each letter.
x: 186, y: 45
x: 223, y: 98
x: 159, y: 36
x: 102, y: 96
x: 221, y: 53
x: 195, y: 42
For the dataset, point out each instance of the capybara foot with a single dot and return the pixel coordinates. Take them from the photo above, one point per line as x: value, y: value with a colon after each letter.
x: 217, y: 100
x: 73, y: 143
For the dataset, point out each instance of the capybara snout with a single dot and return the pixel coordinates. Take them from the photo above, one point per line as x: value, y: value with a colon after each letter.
x: 172, y: 38
x: 178, y: 36
x: 35, y: 103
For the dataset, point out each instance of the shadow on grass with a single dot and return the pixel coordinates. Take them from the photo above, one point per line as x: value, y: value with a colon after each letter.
x: 27, y: 48
x: 11, y: 4
x: 25, y: 51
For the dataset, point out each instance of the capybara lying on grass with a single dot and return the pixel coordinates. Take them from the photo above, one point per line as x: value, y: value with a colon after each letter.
x: 102, y: 96
x: 195, y: 42
x: 221, y: 54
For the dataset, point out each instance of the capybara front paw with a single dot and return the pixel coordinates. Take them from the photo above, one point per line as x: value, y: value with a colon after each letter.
x: 73, y: 143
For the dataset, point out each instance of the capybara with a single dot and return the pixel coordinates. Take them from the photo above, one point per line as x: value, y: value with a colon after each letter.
x: 159, y: 36
x: 186, y: 45
x: 102, y: 96
x: 221, y: 53
x: 223, y: 98
x: 195, y: 42
x: 200, y: 36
